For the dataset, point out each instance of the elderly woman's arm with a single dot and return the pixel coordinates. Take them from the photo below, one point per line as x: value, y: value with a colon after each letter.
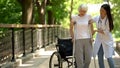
x: 91, y: 27
x: 92, y: 31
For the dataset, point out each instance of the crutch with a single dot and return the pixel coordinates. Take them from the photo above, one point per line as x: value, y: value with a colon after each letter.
x: 94, y: 62
x: 92, y: 44
x: 73, y: 59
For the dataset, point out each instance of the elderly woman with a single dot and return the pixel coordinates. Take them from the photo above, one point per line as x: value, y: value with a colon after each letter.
x: 80, y: 33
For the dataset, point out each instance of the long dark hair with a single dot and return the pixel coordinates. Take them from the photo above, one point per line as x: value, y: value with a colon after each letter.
x: 106, y: 7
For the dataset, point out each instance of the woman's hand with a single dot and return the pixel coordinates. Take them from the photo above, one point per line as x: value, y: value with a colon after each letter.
x: 73, y: 39
x: 94, y: 32
x: 100, y: 31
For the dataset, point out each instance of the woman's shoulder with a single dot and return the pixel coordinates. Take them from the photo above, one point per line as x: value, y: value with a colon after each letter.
x: 74, y: 16
x: 88, y: 15
x: 96, y: 17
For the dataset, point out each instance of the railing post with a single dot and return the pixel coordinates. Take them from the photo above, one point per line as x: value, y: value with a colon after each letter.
x: 13, y: 46
x: 43, y: 38
x: 57, y: 30
x: 48, y: 40
x: 54, y: 34
x: 24, y: 53
x: 48, y: 37
x: 32, y: 45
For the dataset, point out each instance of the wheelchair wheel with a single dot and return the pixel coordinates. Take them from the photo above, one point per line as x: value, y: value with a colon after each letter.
x: 55, y: 61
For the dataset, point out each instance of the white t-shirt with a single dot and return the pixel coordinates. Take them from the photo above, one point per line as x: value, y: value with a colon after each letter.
x: 81, y: 26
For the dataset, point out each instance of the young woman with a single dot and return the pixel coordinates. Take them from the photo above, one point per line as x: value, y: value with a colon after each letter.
x: 104, y: 40
x: 79, y: 30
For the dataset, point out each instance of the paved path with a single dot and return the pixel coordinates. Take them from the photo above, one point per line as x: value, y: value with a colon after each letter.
x: 42, y: 61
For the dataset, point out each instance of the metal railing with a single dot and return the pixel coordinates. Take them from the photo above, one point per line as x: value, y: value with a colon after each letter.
x: 26, y: 39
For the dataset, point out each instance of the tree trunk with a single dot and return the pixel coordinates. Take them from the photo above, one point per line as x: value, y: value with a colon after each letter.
x: 27, y: 11
x: 50, y: 14
x: 41, y: 10
x: 50, y: 17
x: 71, y: 9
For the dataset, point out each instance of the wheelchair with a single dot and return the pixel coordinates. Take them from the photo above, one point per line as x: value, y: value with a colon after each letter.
x: 63, y: 53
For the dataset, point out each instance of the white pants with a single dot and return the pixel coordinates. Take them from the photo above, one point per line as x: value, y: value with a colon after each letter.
x: 83, y: 52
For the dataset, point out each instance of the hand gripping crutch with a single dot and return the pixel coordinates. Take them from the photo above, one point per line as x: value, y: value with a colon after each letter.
x: 89, y: 25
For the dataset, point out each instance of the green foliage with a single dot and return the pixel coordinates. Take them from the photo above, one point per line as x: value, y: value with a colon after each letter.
x: 59, y: 9
x: 10, y: 11
x: 116, y: 16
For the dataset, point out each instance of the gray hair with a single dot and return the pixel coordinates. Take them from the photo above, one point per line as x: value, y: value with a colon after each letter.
x: 83, y: 7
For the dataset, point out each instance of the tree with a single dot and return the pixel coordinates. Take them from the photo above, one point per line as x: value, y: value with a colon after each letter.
x: 56, y: 11
x: 41, y: 7
x: 27, y: 11
x: 50, y: 17
x: 10, y: 11
x: 71, y: 9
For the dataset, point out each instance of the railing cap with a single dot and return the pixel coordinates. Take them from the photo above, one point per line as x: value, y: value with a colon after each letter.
x: 25, y: 26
